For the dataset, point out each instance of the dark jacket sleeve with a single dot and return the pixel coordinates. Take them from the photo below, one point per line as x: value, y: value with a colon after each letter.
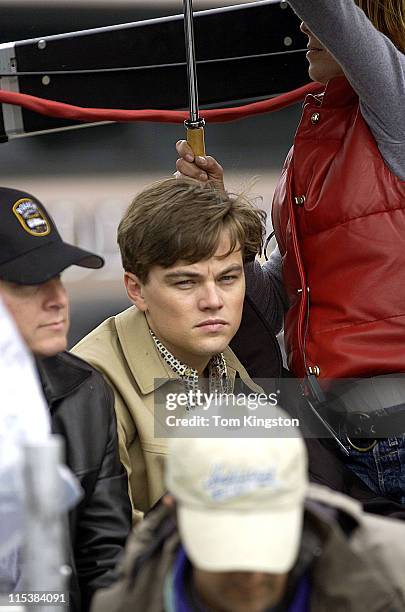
x: 104, y: 516
x: 264, y: 286
x: 82, y: 412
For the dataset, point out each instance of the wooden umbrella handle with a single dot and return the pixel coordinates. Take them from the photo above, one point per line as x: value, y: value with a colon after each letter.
x: 195, y: 138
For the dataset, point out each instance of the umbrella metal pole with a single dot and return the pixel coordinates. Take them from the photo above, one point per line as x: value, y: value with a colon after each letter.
x: 195, y: 124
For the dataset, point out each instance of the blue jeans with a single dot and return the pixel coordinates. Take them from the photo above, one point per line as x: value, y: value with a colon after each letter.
x: 382, y: 468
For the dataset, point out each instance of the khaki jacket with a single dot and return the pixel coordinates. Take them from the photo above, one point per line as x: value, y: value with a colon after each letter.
x: 360, y: 572
x: 124, y: 351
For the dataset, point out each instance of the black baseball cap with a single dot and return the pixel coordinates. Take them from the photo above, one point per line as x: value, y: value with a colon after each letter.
x: 31, y: 248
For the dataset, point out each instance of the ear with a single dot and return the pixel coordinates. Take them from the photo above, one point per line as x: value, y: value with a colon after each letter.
x: 169, y: 501
x: 134, y: 289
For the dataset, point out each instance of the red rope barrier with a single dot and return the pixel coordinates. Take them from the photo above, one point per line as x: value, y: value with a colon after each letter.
x: 61, y: 110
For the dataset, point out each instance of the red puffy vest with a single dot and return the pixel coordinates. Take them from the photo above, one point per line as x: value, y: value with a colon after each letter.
x: 339, y: 218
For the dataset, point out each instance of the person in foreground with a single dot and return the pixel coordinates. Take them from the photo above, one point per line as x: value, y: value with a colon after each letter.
x: 183, y: 246
x: 32, y: 256
x: 243, y: 532
x: 339, y: 218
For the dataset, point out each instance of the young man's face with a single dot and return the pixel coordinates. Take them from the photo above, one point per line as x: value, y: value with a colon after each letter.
x: 41, y: 314
x: 194, y: 309
x: 239, y: 591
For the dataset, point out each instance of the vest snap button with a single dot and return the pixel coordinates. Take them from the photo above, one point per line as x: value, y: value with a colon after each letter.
x: 299, y: 200
x: 315, y: 117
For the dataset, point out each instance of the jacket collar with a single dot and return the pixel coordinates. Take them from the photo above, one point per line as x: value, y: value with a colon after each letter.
x: 343, y: 573
x: 61, y: 375
x: 147, y: 366
x: 337, y: 93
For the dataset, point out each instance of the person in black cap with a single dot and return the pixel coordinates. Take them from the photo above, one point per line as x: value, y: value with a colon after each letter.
x: 32, y: 257
x: 32, y: 250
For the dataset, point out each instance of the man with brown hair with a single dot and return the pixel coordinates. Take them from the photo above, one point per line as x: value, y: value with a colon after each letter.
x: 183, y: 248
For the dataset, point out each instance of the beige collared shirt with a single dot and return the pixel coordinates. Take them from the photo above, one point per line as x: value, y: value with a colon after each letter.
x: 123, y: 349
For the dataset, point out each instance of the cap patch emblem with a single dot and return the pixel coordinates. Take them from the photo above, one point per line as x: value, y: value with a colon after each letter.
x: 224, y: 483
x: 31, y: 217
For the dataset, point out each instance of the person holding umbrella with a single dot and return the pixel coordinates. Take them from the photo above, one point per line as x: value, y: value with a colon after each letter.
x: 339, y: 215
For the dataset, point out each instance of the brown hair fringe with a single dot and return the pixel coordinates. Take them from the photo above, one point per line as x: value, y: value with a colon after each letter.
x: 181, y: 219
